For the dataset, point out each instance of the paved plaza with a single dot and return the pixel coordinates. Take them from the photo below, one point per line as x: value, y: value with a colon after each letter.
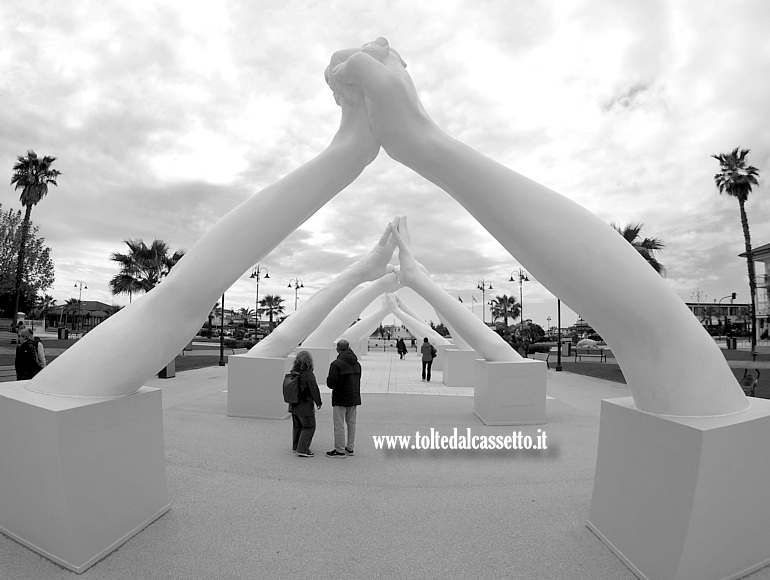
x: 244, y: 506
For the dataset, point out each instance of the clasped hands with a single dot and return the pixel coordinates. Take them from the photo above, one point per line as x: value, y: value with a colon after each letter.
x: 375, y: 263
x: 372, y: 86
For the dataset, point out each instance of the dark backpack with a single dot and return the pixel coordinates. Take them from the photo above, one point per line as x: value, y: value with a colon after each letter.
x: 291, y: 388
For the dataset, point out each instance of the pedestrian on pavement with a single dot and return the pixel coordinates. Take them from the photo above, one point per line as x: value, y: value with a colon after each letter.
x: 26, y: 357
x: 428, y: 354
x: 401, y: 347
x: 302, y: 412
x: 345, y: 382
x: 40, y: 349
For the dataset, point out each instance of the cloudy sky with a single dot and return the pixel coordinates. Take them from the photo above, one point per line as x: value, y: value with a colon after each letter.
x: 166, y: 115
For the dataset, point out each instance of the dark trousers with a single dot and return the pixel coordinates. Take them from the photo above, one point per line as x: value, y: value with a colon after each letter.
x: 426, y: 364
x: 303, y: 428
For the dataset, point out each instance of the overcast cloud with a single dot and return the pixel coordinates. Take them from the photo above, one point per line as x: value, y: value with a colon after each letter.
x: 166, y: 115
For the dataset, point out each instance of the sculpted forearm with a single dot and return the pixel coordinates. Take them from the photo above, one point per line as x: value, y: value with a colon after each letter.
x: 347, y: 311
x: 117, y: 357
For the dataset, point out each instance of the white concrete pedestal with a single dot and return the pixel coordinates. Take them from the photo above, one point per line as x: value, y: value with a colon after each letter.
x: 683, y: 498
x: 322, y: 358
x: 255, y: 386
x: 459, y: 367
x: 439, y: 363
x: 169, y: 371
x: 79, y: 476
x: 509, y: 393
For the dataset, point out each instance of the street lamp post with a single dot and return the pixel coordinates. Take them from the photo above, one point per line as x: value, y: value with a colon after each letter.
x: 483, y: 285
x: 255, y: 274
x: 522, y: 275
x: 558, y: 334
x: 297, y: 285
x: 222, y: 335
x: 698, y: 295
x: 80, y: 284
x: 548, y: 318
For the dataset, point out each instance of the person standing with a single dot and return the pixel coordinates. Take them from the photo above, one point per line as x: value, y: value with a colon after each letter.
x: 428, y: 354
x: 26, y: 362
x: 39, y: 349
x: 401, y: 347
x: 302, y: 412
x: 345, y: 382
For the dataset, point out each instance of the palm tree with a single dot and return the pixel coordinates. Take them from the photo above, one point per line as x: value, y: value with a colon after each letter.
x: 32, y: 175
x: 71, y: 306
x: 143, y: 267
x: 504, y: 307
x: 42, y: 306
x: 245, y: 313
x: 707, y: 315
x: 273, y: 305
x: 736, y: 179
x: 645, y: 246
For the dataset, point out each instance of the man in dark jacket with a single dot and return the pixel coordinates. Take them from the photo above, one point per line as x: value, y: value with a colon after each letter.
x: 428, y: 354
x: 345, y: 382
x: 26, y: 363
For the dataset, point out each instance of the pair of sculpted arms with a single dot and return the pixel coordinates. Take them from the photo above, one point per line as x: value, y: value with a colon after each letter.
x: 390, y: 304
x: 331, y: 316
x: 372, y: 266
x: 671, y: 364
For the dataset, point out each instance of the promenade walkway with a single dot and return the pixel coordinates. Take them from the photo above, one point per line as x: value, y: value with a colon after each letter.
x: 245, y: 507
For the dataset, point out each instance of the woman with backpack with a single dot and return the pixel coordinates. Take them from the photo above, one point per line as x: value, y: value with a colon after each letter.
x: 302, y: 412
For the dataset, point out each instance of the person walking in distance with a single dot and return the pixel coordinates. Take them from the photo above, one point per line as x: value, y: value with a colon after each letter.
x: 401, y: 347
x: 345, y: 382
x: 428, y: 354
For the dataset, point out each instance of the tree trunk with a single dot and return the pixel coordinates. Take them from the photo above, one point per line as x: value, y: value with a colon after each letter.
x: 752, y: 275
x: 20, y: 263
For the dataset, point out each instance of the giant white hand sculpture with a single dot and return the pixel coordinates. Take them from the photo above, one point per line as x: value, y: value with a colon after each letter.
x: 673, y: 367
x: 417, y: 328
x: 487, y: 343
x: 117, y: 356
x: 366, y: 326
x: 458, y: 340
x: 348, y: 311
x: 297, y: 327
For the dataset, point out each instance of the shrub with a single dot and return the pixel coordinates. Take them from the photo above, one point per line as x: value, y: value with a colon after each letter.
x: 540, y: 347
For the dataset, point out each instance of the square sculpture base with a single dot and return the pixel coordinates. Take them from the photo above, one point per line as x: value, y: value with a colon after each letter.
x: 683, y: 498
x: 509, y: 393
x: 360, y: 347
x: 169, y: 371
x: 322, y: 358
x: 459, y: 367
x: 79, y: 476
x: 439, y: 363
x: 254, y: 386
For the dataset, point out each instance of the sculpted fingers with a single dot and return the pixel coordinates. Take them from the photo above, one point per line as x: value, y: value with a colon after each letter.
x: 378, y: 48
x: 403, y: 228
x: 385, y: 237
x: 402, y: 247
x: 358, y: 68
